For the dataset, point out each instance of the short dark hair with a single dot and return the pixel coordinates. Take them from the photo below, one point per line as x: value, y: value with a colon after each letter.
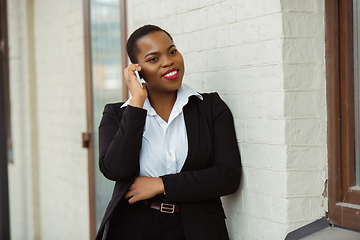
x: 131, y: 45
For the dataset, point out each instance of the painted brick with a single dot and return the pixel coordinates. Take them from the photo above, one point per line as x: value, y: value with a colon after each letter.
x: 273, y: 230
x: 182, y: 42
x: 229, y: 79
x: 212, y: 81
x: 242, y: 98
x: 195, y: 80
x: 299, y: 24
x: 279, y: 209
x: 208, y: 2
x: 255, y: 228
x: 190, y: 18
x: 262, y: 78
x: 296, y: 208
x: 232, y: 102
x: 273, y: 131
x: 302, y: 76
x: 251, y: 30
x: 253, y: 130
x: 193, y: 63
x: 255, y: 155
x: 270, y: 52
x: 299, y: 5
x: 221, y: 13
x: 302, y: 157
x: 299, y: 50
x: 222, y: 36
x: 305, y: 131
x: 240, y: 128
x: 272, y: 6
x: 208, y: 38
x: 257, y: 204
x: 238, y: 225
x: 247, y: 9
x: 234, y: 202
x: 307, y: 182
x: 276, y: 109
x: 257, y: 105
x: 192, y: 5
x: 174, y: 24
x: 140, y: 10
x: 232, y: 57
x: 216, y: 58
x: 236, y: 33
x: 275, y: 181
x: 270, y: 26
x: 195, y: 41
x: 175, y: 7
x: 302, y: 104
x: 277, y: 155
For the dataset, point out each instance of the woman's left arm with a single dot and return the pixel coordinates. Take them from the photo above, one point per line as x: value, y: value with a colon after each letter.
x: 223, y: 177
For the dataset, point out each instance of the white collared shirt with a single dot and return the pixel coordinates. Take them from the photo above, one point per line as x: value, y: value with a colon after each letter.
x: 165, y: 144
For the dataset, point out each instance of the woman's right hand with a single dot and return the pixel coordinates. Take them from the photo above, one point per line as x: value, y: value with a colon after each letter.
x: 138, y: 93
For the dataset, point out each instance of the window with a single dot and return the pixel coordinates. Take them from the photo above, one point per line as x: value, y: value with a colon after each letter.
x: 105, y: 59
x: 342, y: 31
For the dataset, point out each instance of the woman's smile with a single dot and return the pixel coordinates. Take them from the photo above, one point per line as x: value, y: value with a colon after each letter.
x: 171, y: 74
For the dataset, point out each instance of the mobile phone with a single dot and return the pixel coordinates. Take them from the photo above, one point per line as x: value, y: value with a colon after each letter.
x: 140, y: 80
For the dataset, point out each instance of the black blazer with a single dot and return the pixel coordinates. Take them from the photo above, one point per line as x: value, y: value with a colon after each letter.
x: 212, y: 168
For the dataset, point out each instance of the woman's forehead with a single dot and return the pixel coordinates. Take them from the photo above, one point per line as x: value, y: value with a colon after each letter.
x: 154, y: 41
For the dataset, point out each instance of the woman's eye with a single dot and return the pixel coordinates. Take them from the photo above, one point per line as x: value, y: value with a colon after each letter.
x: 152, y: 59
x: 173, y: 52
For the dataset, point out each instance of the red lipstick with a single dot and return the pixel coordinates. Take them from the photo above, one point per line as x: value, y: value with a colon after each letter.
x: 171, y: 74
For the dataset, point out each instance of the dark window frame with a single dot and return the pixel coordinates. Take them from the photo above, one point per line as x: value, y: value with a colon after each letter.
x: 5, y: 137
x: 344, y: 197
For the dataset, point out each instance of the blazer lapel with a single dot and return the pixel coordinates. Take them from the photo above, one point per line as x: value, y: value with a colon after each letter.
x: 192, y: 130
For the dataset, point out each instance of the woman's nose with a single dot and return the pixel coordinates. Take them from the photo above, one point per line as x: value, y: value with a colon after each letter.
x: 167, y: 61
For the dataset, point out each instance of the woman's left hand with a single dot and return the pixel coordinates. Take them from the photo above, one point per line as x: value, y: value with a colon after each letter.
x: 144, y: 188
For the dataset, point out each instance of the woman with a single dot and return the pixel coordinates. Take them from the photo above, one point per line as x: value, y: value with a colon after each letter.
x: 172, y: 151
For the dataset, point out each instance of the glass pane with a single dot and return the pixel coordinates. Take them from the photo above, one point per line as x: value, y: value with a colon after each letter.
x: 106, y: 81
x: 356, y: 6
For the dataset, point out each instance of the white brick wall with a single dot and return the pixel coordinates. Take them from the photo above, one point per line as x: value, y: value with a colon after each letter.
x: 266, y: 59
x: 304, y: 82
x: 62, y: 118
x: 48, y: 179
x: 20, y: 179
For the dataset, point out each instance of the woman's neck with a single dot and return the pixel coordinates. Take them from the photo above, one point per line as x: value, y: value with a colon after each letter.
x: 163, y: 103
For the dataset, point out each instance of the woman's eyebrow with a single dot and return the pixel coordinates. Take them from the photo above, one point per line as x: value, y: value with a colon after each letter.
x: 153, y: 53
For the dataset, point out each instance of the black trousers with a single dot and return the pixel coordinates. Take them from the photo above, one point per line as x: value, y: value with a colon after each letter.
x: 138, y: 222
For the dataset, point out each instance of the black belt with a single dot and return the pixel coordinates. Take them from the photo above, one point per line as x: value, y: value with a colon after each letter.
x: 162, y: 207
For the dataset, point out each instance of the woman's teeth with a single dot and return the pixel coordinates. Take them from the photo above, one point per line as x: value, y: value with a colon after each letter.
x: 171, y: 74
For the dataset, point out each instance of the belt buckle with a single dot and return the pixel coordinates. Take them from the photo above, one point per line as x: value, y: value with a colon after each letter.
x: 167, y: 208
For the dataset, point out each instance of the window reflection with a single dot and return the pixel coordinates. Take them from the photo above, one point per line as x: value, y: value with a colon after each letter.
x: 106, y: 81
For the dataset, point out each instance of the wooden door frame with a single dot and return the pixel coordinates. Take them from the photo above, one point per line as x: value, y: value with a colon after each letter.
x: 344, y: 197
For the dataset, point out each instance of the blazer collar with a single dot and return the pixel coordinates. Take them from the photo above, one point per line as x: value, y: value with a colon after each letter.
x: 192, y: 129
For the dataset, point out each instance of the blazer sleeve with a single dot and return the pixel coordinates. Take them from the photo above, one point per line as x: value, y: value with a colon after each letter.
x: 223, y: 177
x: 120, y: 141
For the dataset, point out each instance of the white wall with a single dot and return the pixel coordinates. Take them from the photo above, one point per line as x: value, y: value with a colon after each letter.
x: 305, y: 110
x: 22, y: 206
x: 49, y: 177
x: 266, y: 59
